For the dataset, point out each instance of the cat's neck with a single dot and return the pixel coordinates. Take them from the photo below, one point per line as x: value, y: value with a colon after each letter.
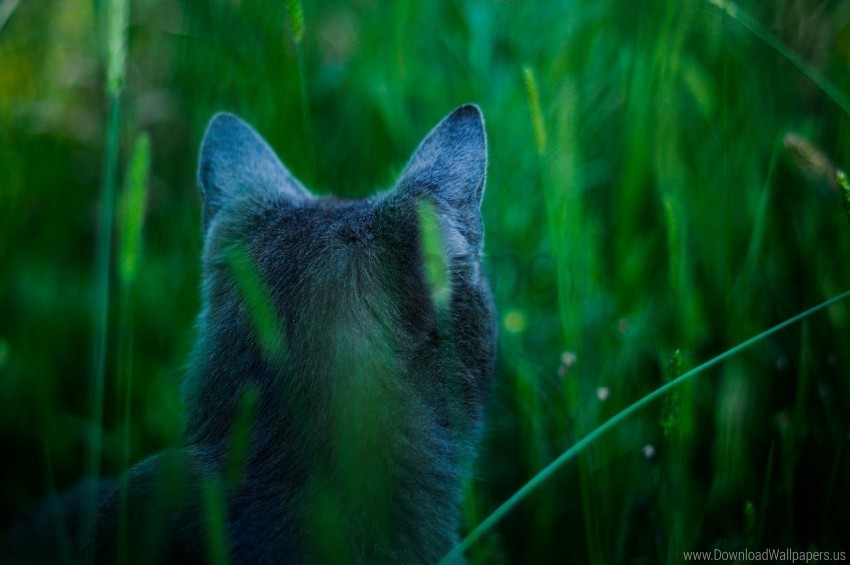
x: 378, y: 473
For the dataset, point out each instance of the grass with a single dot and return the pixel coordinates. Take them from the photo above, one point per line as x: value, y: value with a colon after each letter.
x: 490, y: 521
x: 644, y: 211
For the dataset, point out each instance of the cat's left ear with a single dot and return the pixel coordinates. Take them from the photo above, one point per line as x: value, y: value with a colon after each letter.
x: 236, y: 163
x: 450, y: 166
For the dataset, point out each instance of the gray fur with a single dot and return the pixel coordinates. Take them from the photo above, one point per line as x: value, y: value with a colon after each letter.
x: 368, y: 413
x: 236, y: 163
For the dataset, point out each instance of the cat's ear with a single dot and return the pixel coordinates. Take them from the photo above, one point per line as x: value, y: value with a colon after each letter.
x: 235, y: 163
x: 450, y: 166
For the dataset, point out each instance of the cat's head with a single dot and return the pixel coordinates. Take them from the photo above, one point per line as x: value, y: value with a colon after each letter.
x: 335, y: 296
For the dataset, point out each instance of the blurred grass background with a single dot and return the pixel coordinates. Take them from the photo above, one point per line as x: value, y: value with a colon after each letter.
x: 642, y: 216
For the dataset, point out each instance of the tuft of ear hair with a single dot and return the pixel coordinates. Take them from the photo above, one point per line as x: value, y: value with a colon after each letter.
x: 236, y: 163
x: 450, y: 166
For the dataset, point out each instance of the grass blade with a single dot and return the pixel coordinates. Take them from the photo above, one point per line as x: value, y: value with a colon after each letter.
x: 844, y: 188
x: 534, y: 107
x: 6, y: 10
x: 132, y: 209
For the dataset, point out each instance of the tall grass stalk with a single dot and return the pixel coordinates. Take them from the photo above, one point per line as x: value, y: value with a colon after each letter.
x: 526, y: 382
x: 131, y: 212
x: 116, y: 20
x: 488, y: 523
x: 533, y: 95
x: 568, y: 242
x: 559, y: 182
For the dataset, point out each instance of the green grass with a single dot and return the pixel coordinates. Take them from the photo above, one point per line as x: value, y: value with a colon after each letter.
x: 489, y: 523
x: 664, y: 183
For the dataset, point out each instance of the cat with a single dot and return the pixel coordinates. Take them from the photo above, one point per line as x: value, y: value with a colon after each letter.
x: 335, y: 394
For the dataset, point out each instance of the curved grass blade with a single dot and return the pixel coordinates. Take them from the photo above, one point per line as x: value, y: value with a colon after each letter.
x: 583, y: 443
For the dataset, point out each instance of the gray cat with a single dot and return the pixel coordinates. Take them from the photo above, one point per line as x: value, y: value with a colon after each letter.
x: 334, y: 395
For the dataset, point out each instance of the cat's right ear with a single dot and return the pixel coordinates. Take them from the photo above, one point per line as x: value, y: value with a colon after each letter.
x: 236, y: 163
x: 450, y: 167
